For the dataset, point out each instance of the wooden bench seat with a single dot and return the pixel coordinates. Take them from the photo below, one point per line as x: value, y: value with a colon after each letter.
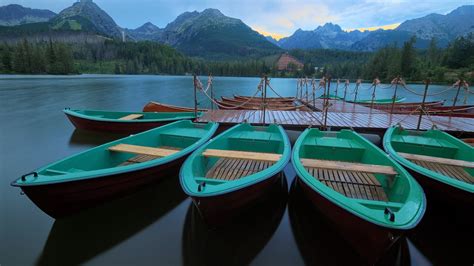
x: 357, y: 185
x: 233, y: 169
x: 145, y: 158
x: 243, y: 155
x: 142, y: 150
x: 347, y: 166
x: 440, y: 160
x: 131, y: 117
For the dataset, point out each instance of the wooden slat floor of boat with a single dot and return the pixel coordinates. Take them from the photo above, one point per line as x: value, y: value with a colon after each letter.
x: 452, y: 171
x: 351, y: 184
x: 145, y: 158
x: 233, y: 169
x: 358, y: 121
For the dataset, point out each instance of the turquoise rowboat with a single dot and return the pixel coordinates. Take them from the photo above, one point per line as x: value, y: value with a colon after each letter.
x: 113, y: 169
x: 441, y: 163
x: 123, y: 122
x: 364, y: 192
x: 235, y: 168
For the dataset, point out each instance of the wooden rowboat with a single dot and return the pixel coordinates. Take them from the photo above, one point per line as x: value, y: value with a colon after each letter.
x: 113, y: 169
x: 122, y: 122
x: 259, y: 101
x: 469, y: 141
x: 366, y: 101
x: 269, y: 104
x: 161, y: 107
x: 360, y: 189
x: 255, y: 106
x: 278, y: 99
x: 441, y: 163
x: 235, y: 168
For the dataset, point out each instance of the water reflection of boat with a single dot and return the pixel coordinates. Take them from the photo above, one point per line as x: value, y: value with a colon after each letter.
x: 321, y: 243
x: 79, y: 238
x: 235, y: 242
x: 445, y: 234
x: 85, y: 137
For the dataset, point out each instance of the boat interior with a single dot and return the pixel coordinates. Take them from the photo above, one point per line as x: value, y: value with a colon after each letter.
x: 151, y: 145
x: 434, y: 151
x: 344, y: 162
x: 238, y: 154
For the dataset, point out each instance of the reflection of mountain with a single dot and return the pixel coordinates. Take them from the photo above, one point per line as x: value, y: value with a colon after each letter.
x: 236, y: 242
x: 79, y: 238
x: 320, y: 243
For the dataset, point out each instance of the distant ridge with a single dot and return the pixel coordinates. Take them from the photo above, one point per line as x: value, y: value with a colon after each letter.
x: 12, y: 15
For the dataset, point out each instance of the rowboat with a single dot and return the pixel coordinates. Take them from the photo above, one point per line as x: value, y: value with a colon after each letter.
x: 112, y: 169
x: 162, y: 107
x: 257, y: 106
x: 406, y: 107
x: 278, y: 99
x: 249, y: 232
x: 361, y: 190
x: 322, y: 243
x: 257, y: 101
x: 441, y: 163
x: 470, y: 141
x: 366, y: 101
x: 122, y: 122
x: 378, y: 101
x: 235, y: 168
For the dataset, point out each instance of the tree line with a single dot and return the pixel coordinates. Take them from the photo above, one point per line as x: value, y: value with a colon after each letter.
x: 439, y: 64
x: 36, y: 58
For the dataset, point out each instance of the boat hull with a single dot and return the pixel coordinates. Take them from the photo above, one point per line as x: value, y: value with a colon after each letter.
x: 114, y: 127
x: 369, y: 240
x: 62, y: 199
x: 220, y: 208
x: 436, y: 190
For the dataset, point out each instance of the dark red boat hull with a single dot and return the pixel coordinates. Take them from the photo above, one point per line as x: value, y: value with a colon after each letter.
x: 62, y: 199
x: 442, y: 192
x: 114, y: 127
x: 368, y: 239
x: 217, y: 209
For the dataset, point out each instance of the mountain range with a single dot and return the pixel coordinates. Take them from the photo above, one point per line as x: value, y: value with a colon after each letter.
x: 211, y: 34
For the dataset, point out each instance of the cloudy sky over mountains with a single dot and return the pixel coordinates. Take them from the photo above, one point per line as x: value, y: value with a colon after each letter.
x: 271, y: 17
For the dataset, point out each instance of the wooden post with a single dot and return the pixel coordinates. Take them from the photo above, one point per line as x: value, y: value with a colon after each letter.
x: 264, y: 94
x: 212, y: 91
x: 297, y: 87
x: 313, y: 85
x: 373, y: 94
x: 456, y: 97
x: 326, y: 105
x: 306, y: 84
x: 427, y: 82
x: 356, y: 90
x: 195, y: 96
x: 337, y: 86
x: 397, y: 79
x: 345, y: 89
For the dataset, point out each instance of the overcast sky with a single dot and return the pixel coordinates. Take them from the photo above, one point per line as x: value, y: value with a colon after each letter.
x: 278, y: 17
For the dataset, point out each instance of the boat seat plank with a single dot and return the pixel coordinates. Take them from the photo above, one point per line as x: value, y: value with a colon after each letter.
x: 142, y: 150
x: 347, y: 166
x: 352, y: 184
x: 456, y: 172
x: 234, y: 169
x: 440, y: 160
x: 131, y: 117
x: 244, y: 155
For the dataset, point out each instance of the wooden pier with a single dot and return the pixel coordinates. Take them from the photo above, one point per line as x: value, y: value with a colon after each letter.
x: 371, y: 121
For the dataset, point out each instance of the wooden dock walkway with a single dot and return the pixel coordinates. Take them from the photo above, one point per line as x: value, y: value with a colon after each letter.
x: 376, y: 122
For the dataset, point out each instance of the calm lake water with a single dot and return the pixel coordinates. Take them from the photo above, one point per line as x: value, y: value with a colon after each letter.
x: 159, y: 225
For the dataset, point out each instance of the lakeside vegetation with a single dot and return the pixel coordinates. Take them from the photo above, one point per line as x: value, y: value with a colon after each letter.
x: 114, y: 57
